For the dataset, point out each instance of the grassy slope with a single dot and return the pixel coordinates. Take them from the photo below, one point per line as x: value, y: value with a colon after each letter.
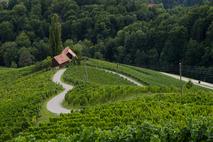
x: 167, y: 116
x: 21, y: 97
x: 85, y: 95
x: 146, y: 76
x: 77, y: 74
x: 91, y: 95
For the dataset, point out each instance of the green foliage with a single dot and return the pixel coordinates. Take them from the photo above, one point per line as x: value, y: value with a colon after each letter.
x: 21, y: 98
x: 55, y: 42
x: 125, y: 31
x: 13, y: 65
x: 159, y: 117
x: 45, y: 64
x: 83, y: 73
x: 172, y: 3
x: 107, y: 107
x: 86, y: 94
x: 25, y: 57
x: 23, y: 40
x: 146, y: 76
x: 150, y: 43
x: 6, y: 31
x: 41, y: 49
x: 137, y: 32
x: 9, y: 53
x: 189, y: 85
x: 105, y: 111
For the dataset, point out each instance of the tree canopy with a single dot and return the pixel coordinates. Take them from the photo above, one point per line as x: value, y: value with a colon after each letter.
x: 138, y: 32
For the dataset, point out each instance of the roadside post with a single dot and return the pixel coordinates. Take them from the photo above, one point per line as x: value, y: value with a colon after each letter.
x: 180, y: 71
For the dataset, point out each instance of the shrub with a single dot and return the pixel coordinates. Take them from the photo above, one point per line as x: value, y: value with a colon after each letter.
x: 45, y: 64
x: 189, y: 84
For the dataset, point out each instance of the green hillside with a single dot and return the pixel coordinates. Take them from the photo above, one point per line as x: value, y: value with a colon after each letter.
x: 84, y: 73
x: 21, y: 97
x: 103, y: 110
x: 160, y: 117
x: 145, y: 76
x: 93, y: 70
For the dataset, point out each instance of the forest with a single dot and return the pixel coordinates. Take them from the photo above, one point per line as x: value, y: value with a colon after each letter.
x: 136, y: 32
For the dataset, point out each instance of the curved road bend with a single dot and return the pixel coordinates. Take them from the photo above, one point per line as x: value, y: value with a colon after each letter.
x: 55, y: 104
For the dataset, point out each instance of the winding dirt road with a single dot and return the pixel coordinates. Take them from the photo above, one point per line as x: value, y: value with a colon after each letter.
x: 55, y: 104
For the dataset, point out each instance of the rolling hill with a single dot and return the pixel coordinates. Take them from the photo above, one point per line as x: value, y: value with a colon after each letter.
x: 104, y: 107
x: 21, y: 96
x: 118, y: 81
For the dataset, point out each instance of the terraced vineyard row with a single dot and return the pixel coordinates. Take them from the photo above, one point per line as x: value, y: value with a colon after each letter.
x: 165, y: 117
x: 88, y: 94
x: 146, y: 76
x: 21, y: 97
x: 107, y: 108
x: 86, y: 74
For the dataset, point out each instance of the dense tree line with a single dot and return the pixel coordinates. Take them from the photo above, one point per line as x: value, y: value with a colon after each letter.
x: 166, y: 40
x: 138, y: 32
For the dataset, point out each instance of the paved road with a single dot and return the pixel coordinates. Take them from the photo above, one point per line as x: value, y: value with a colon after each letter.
x: 55, y: 104
x: 124, y: 76
x: 194, y: 81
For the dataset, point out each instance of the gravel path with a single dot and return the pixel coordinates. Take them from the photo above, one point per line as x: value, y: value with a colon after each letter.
x: 55, y: 104
x: 202, y: 84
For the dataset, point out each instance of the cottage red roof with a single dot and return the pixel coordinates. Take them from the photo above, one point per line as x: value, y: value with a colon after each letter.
x: 65, y: 57
x: 61, y: 58
x: 68, y: 50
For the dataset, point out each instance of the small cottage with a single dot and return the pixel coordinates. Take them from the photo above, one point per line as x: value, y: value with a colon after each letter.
x: 64, y: 58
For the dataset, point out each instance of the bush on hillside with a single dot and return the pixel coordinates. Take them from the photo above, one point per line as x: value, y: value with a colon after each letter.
x: 189, y: 84
x: 45, y: 64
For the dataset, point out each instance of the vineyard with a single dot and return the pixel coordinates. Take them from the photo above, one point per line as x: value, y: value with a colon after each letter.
x: 106, y: 70
x: 164, y: 117
x: 82, y: 74
x: 104, y: 107
x: 21, y: 97
x: 108, y: 108
x: 146, y: 76
x: 87, y: 94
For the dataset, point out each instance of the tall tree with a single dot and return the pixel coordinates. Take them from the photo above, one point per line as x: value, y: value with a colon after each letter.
x: 55, y: 35
x: 8, y: 53
x: 6, y: 31
x: 23, y: 40
x: 25, y: 57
